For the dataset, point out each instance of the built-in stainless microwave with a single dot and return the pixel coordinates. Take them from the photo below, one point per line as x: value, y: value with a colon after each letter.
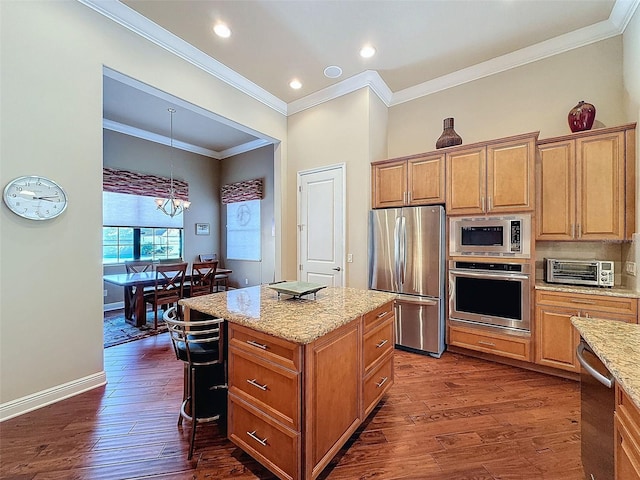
x: 496, y: 236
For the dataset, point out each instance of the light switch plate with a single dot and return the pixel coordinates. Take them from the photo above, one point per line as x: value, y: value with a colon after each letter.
x: 630, y: 268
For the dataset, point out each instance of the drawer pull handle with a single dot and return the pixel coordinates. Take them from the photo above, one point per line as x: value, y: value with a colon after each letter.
x: 256, y: 384
x: 256, y: 344
x: 585, y: 302
x: 382, y: 382
x: 383, y: 314
x: 490, y: 344
x: 257, y: 439
x: 382, y: 343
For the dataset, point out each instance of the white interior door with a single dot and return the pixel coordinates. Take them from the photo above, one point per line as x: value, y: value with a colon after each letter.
x: 321, y: 226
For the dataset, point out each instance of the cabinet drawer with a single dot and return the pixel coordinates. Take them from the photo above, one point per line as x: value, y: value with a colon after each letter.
x: 628, y: 412
x: 268, y: 386
x: 584, y: 302
x: 377, y: 342
x: 512, y: 347
x: 377, y: 383
x: 381, y: 313
x: 274, y: 349
x: 274, y: 446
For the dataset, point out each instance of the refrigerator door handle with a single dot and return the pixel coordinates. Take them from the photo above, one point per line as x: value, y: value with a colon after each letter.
x: 403, y: 248
x: 396, y: 250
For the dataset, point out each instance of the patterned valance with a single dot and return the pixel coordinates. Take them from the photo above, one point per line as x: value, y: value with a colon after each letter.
x: 241, y: 191
x: 134, y: 183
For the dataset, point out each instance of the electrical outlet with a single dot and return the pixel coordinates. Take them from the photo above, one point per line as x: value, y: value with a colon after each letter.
x: 104, y: 293
x: 630, y: 268
x: 349, y: 257
x: 246, y: 281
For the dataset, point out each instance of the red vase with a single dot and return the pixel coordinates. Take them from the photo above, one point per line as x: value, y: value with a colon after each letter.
x: 581, y: 117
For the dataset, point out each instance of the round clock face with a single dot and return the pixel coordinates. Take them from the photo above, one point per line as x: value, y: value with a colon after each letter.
x: 35, y: 198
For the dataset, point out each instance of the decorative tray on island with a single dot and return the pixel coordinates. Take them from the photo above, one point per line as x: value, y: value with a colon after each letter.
x: 297, y: 289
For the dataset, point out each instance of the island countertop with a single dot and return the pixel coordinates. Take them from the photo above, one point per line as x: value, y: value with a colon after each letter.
x: 617, y: 345
x: 300, y: 320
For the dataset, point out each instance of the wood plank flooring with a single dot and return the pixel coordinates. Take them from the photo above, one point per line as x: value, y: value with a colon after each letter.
x: 451, y: 418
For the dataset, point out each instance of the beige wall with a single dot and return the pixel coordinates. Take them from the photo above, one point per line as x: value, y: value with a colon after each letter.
x: 51, y: 116
x: 339, y: 131
x: 534, y: 97
x: 248, y: 166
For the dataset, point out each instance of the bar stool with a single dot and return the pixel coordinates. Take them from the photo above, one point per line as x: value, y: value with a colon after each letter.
x: 200, y: 345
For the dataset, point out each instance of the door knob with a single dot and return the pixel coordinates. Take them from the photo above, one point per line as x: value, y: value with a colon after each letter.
x: 337, y: 269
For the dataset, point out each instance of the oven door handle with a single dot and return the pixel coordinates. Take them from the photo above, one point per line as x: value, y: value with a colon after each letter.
x: 606, y: 381
x: 503, y: 276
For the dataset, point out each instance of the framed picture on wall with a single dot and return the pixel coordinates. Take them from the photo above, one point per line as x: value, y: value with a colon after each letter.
x: 202, y: 229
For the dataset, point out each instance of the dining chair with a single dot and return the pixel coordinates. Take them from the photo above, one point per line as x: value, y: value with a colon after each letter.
x: 199, y: 343
x: 135, y: 266
x: 168, y: 288
x: 220, y: 278
x: 202, y: 279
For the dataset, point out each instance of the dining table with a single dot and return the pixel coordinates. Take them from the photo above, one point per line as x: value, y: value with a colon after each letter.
x: 135, y: 309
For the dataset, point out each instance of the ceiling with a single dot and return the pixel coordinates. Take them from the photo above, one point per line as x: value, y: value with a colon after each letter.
x: 422, y: 46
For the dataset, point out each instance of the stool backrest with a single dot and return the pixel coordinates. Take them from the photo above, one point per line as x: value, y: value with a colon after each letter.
x: 198, y: 342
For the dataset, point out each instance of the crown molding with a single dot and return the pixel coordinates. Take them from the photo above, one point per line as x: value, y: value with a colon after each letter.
x: 368, y: 78
x: 132, y: 20
x: 620, y: 16
x: 245, y: 147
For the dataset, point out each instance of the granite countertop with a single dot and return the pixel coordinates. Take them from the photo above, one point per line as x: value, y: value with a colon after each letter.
x: 610, y: 292
x: 617, y: 345
x: 300, y: 320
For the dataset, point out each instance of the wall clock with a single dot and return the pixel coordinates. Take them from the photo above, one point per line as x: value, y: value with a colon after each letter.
x: 35, y: 197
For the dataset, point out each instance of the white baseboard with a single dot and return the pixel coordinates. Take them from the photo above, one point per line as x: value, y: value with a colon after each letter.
x: 107, y: 307
x: 51, y: 395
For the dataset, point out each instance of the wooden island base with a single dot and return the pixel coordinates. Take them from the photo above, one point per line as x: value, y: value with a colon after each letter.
x: 294, y: 404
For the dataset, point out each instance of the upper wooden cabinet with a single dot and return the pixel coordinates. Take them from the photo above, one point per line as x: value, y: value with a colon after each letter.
x: 492, y: 177
x: 586, y: 185
x: 414, y: 180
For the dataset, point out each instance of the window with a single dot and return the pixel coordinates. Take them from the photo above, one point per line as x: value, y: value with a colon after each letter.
x: 133, y: 229
x: 243, y: 230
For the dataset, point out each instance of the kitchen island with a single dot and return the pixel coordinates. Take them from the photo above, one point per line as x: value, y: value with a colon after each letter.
x: 304, y: 373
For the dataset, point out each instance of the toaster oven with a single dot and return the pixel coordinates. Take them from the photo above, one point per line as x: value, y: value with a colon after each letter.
x: 597, y: 273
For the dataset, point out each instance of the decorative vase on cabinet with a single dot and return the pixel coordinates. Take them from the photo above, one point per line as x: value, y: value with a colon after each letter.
x: 449, y: 136
x: 581, y: 116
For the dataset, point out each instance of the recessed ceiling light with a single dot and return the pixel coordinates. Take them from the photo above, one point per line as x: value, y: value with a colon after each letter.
x: 295, y: 84
x: 222, y: 30
x: 367, y: 51
x: 332, y: 71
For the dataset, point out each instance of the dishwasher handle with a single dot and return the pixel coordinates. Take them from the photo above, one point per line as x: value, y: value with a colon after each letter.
x: 606, y: 381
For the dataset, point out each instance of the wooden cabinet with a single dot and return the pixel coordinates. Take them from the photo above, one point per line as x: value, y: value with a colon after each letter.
x: 292, y: 407
x: 556, y: 339
x: 586, y: 186
x: 414, y: 180
x: 510, y: 346
x: 626, y: 437
x: 492, y: 177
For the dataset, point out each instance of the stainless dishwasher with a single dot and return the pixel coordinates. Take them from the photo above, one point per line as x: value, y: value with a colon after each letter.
x: 597, y: 403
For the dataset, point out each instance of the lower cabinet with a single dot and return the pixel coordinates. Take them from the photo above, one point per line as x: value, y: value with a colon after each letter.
x: 292, y: 407
x: 627, y: 437
x: 556, y: 339
x: 510, y: 346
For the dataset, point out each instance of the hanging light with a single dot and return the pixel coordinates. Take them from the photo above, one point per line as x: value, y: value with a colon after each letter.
x: 171, y: 205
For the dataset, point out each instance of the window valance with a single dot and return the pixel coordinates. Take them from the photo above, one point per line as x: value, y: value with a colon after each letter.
x: 134, y: 183
x: 241, y: 191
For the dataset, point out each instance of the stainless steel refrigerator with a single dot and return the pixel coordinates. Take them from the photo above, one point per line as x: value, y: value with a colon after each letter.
x: 406, y: 256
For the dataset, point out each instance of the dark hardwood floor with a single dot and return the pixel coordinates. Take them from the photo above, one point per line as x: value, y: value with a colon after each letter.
x: 452, y: 418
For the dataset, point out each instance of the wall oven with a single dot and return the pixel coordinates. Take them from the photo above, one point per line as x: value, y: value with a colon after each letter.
x: 490, y: 294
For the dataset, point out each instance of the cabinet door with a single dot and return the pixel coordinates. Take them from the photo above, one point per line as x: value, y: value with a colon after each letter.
x: 389, y: 184
x: 466, y: 181
x: 600, y: 192
x: 556, y: 193
x: 510, y: 175
x: 627, y: 437
x: 426, y: 180
x: 556, y: 339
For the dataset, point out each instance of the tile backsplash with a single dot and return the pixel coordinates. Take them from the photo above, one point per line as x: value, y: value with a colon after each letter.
x: 618, y: 252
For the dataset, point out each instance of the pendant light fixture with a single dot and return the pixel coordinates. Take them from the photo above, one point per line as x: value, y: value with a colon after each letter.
x: 171, y: 205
